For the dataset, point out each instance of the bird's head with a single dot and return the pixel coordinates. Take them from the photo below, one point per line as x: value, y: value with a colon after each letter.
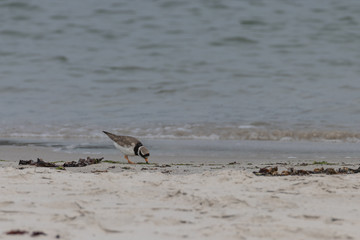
x: 144, y: 153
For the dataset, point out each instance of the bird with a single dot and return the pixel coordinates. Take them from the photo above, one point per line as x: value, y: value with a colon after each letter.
x: 129, y: 146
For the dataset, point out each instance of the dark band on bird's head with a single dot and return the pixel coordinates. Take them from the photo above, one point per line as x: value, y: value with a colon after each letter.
x: 136, y: 148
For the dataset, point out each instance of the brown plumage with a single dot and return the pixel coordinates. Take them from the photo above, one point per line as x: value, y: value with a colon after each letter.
x: 129, y: 146
x: 126, y: 141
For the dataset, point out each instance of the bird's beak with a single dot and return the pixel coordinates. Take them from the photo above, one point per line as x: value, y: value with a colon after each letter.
x: 146, y: 160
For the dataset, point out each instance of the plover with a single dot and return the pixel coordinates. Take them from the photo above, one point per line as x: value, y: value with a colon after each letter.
x: 129, y: 146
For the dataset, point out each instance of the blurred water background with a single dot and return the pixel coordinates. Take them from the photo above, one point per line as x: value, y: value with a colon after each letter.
x: 160, y: 69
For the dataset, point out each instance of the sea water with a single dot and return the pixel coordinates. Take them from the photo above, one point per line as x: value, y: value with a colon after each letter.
x: 274, y: 70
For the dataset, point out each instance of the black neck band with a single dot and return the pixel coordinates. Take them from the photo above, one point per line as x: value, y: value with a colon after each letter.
x: 136, y: 148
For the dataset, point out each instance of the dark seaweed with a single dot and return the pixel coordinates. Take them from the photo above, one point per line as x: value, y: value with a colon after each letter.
x: 273, y: 171
x: 80, y: 163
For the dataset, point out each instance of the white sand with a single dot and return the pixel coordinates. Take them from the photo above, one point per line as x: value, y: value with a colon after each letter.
x: 221, y: 204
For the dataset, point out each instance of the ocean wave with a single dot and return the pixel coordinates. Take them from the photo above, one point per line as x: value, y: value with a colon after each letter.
x: 187, y: 131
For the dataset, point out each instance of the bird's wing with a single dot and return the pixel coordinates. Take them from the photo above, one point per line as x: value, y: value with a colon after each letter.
x: 123, y: 140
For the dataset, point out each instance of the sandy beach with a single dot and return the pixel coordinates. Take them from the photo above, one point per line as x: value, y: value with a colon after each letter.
x: 158, y: 201
x: 248, y: 112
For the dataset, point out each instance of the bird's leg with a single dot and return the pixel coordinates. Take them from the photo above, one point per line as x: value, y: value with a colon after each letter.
x: 146, y: 160
x: 126, y: 157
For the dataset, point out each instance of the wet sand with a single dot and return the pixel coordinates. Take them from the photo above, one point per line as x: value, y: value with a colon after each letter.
x: 173, y: 198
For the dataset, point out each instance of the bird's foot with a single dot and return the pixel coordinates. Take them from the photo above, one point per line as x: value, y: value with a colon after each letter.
x: 130, y: 162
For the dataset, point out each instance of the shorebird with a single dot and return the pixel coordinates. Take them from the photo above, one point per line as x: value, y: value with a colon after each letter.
x: 129, y: 146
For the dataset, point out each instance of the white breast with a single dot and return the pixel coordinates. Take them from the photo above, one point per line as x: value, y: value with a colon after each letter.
x: 127, y: 151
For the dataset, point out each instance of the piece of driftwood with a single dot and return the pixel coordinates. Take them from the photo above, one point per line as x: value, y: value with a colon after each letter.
x: 80, y: 163
x: 273, y: 171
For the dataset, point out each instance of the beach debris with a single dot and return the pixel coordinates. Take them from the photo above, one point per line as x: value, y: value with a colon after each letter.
x: 23, y: 232
x: 38, y: 163
x: 16, y: 232
x: 164, y: 166
x: 37, y: 233
x: 83, y: 162
x: 268, y: 171
x: 323, y: 163
x: 273, y: 171
x: 80, y: 163
x: 99, y: 171
x: 111, y: 161
x: 152, y: 169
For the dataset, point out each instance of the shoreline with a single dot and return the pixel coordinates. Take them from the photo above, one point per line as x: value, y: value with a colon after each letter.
x: 174, y: 164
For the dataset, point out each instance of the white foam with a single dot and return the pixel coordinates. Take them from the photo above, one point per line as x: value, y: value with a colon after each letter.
x: 246, y: 126
x: 187, y: 131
